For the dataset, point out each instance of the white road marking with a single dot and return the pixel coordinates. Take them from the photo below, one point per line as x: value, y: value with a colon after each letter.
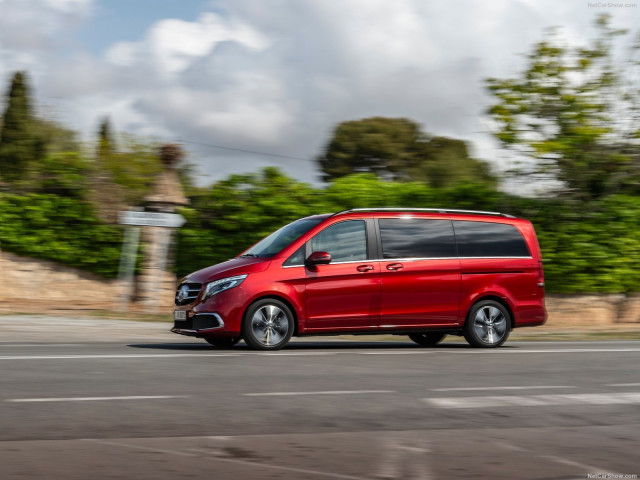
x: 623, y: 385
x: 395, y: 352
x: 325, y: 353
x: 547, y: 351
x: 133, y: 355
x: 290, y: 354
x: 528, y: 387
x: 536, y: 400
x: 327, y: 392
x: 43, y: 345
x: 92, y: 399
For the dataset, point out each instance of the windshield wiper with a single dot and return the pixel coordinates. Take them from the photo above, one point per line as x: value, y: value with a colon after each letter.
x: 249, y: 255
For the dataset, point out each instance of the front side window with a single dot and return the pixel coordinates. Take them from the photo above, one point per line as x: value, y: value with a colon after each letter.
x: 274, y: 243
x: 297, y: 259
x: 345, y: 241
x: 416, y: 238
x: 485, y: 239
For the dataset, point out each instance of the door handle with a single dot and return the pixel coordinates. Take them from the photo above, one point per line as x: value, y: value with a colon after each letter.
x: 394, y: 266
x: 364, y: 268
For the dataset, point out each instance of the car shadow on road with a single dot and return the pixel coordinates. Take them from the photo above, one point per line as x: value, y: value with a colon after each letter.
x: 307, y: 345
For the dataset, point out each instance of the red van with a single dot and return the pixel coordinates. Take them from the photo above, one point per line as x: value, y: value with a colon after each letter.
x: 424, y: 273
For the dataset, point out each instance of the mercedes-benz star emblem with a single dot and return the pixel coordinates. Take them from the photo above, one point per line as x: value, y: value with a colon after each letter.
x: 183, y: 293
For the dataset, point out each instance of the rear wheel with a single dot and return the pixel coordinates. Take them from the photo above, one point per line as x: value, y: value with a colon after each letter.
x: 427, y: 339
x: 222, y: 342
x: 268, y: 325
x: 488, y: 324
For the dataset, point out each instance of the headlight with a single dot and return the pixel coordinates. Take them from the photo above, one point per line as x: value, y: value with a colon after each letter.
x: 223, y: 284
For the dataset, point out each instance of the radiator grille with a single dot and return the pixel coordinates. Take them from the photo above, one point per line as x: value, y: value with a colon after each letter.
x: 187, y: 293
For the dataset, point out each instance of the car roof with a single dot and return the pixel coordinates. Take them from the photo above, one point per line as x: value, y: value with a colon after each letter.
x: 425, y: 210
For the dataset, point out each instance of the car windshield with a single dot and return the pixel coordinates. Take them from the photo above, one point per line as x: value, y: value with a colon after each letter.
x: 274, y: 243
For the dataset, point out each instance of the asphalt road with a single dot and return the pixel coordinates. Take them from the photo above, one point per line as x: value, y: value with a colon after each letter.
x: 172, y: 408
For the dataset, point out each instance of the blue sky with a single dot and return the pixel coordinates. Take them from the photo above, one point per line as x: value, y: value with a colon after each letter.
x: 117, y: 20
x: 276, y: 76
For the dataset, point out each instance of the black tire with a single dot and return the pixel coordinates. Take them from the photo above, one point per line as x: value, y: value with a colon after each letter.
x: 222, y: 342
x: 267, y: 325
x: 488, y: 324
x: 427, y: 339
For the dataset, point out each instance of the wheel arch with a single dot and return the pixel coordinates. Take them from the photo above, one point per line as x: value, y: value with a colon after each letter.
x: 495, y: 298
x: 280, y: 298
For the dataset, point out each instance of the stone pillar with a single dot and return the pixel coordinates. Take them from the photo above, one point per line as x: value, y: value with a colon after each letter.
x: 156, y: 284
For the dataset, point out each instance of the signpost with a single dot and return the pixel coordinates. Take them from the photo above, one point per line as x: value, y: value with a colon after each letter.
x: 136, y: 219
x: 151, y: 219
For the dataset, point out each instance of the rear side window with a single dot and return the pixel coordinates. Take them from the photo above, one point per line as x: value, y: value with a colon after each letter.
x: 345, y: 241
x: 416, y: 238
x: 484, y: 239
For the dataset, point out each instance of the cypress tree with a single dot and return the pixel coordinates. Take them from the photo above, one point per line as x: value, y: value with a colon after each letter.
x: 106, y: 145
x: 20, y: 147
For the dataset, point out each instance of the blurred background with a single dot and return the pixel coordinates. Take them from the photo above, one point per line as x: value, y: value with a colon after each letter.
x: 141, y: 140
x: 277, y: 112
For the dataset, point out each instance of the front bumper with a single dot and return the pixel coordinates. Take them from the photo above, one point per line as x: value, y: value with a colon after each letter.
x: 198, y: 324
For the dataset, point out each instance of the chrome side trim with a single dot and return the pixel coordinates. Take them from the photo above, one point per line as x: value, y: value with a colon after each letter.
x: 495, y: 258
x: 447, y: 258
x: 338, y: 263
x: 418, y: 259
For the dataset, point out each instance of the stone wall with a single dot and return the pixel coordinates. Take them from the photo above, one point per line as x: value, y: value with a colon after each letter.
x: 27, y: 284
x: 593, y: 310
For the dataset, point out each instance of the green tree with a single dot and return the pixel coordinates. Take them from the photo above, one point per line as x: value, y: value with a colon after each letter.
x: 123, y: 174
x: 106, y: 143
x: 235, y: 213
x: 66, y: 174
x: 20, y: 146
x: 397, y: 149
x: 573, y: 115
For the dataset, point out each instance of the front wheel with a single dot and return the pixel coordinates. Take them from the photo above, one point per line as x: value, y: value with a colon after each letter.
x: 427, y: 339
x: 268, y: 325
x: 488, y: 324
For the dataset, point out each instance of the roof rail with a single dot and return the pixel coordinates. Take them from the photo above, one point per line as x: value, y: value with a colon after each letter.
x: 434, y: 210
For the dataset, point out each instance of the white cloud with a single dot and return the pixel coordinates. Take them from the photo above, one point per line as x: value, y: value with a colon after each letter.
x: 277, y: 76
x: 73, y: 6
x: 32, y: 31
x: 175, y: 44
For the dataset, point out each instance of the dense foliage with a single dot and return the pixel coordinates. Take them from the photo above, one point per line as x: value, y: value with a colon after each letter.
x: 63, y: 229
x: 592, y: 247
x: 235, y: 213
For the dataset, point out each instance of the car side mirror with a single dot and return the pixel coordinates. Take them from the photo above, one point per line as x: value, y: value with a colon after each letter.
x: 318, y: 258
